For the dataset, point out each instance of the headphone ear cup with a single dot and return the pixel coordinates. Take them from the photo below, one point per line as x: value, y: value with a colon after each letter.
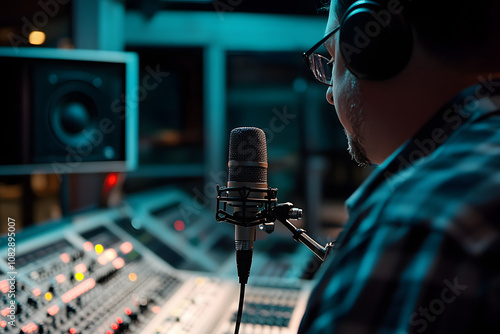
x: 375, y: 44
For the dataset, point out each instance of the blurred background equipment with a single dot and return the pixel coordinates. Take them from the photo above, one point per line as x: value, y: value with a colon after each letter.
x: 125, y: 240
x: 68, y: 111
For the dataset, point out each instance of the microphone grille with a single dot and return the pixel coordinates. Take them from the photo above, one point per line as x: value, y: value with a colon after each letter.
x: 247, y: 144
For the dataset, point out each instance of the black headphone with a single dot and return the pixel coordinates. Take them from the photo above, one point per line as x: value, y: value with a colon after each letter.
x: 375, y: 43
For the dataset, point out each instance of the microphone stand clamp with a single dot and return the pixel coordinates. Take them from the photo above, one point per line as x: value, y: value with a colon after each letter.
x: 284, y: 211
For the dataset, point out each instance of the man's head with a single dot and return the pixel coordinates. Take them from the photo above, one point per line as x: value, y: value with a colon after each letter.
x: 451, y: 43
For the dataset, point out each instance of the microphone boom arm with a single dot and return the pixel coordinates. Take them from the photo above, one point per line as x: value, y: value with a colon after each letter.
x: 284, y: 211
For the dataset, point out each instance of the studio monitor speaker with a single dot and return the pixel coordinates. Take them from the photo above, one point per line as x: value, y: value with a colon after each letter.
x: 65, y: 111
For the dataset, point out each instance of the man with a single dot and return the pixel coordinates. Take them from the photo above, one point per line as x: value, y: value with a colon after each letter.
x: 413, y: 84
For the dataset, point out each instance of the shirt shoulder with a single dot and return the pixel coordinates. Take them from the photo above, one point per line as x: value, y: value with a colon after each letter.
x: 454, y: 190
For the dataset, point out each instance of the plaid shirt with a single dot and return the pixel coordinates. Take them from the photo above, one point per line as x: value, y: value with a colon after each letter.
x: 421, y: 250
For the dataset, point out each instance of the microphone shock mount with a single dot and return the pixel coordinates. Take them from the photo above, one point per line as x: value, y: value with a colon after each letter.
x: 268, y: 212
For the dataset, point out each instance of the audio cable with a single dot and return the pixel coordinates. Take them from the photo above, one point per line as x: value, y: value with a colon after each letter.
x: 243, y: 264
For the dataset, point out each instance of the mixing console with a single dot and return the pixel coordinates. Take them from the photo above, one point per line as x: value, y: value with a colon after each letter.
x: 273, y: 308
x: 98, y: 285
x: 120, y: 271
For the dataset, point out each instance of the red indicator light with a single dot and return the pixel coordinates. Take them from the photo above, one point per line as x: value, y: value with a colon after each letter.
x: 80, y: 268
x: 87, y: 246
x: 118, y: 263
x: 114, y: 326
x: 126, y: 247
x: 119, y: 320
x: 128, y: 311
x: 53, y: 310
x: 78, y: 290
x: 5, y: 312
x: 109, y: 183
x: 111, y: 179
x: 179, y: 225
x: 4, y: 286
x: 3, y: 324
x: 156, y: 309
x: 64, y: 257
x: 109, y: 332
x: 72, y: 331
x: 60, y: 278
x: 29, y: 328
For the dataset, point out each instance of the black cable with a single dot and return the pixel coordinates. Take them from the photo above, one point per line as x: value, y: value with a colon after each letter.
x: 240, y: 308
x: 243, y: 264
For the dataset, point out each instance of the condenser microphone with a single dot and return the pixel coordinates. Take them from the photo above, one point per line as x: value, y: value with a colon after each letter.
x: 247, y: 167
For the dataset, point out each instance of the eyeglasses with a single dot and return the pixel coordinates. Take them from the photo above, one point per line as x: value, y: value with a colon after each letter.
x: 321, y: 65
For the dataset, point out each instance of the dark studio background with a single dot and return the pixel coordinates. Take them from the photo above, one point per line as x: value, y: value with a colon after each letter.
x: 229, y: 63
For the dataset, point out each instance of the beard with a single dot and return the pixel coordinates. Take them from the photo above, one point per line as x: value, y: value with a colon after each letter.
x: 349, y: 109
x: 356, y: 118
x: 357, y: 151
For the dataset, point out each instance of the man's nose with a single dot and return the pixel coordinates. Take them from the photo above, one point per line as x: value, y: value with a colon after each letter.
x: 329, y: 95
